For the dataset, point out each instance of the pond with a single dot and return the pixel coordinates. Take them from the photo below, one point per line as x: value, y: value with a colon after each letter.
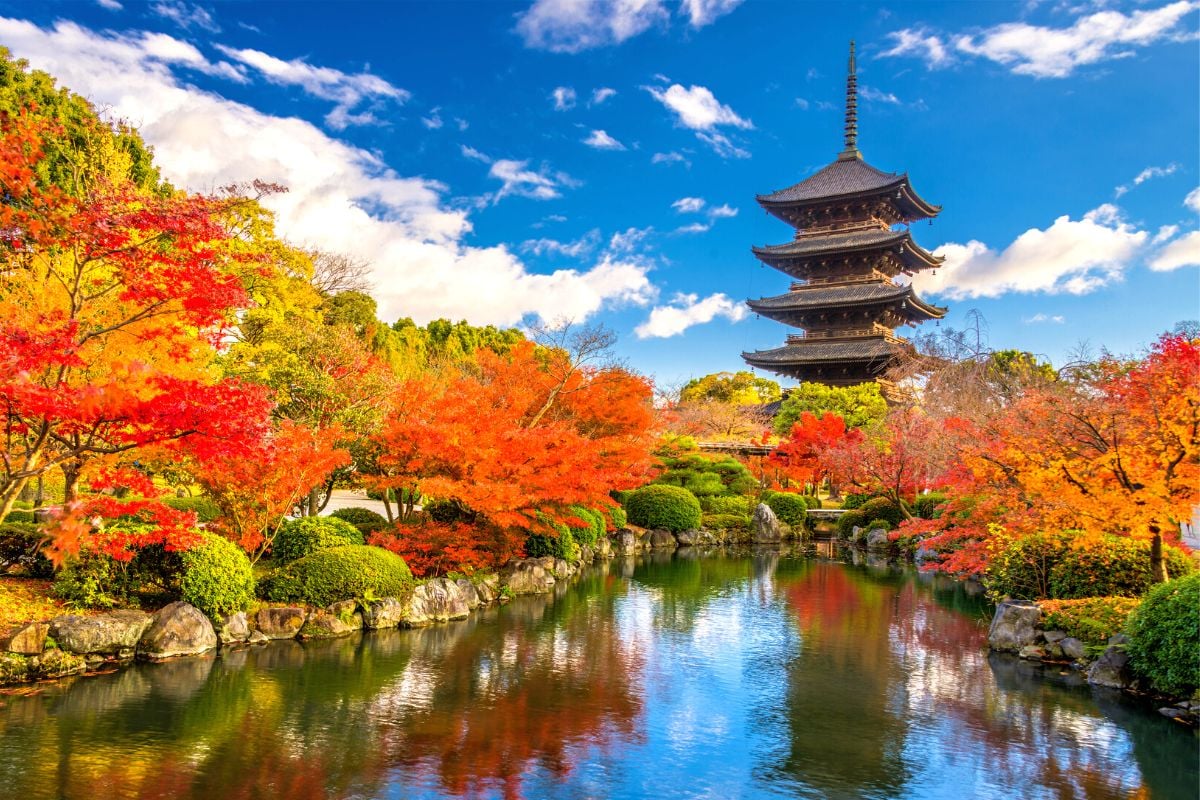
x: 674, y: 676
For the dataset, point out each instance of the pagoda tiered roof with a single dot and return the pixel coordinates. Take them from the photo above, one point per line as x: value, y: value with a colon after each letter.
x: 790, y: 257
x: 861, y: 294
x: 834, y: 361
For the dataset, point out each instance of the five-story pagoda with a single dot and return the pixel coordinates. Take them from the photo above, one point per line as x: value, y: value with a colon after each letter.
x: 844, y: 258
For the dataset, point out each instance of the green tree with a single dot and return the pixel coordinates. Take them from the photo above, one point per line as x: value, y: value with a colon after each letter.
x: 738, y: 388
x: 860, y: 406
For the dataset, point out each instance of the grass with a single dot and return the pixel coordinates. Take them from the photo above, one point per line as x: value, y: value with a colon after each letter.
x: 27, y: 600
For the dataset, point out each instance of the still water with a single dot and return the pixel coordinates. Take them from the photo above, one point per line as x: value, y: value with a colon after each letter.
x: 670, y: 677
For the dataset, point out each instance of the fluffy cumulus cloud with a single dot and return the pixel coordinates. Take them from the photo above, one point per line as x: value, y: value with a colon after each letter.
x: 519, y: 180
x: 602, y: 141
x: 698, y: 109
x: 1072, y: 256
x: 1048, y: 52
x: 686, y: 310
x: 601, y: 94
x: 571, y: 26
x: 340, y: 198
x: 1192, y: 201
x: 347, y: 92
x: 563, y: 97
x: 688, y: 205
x: 705, y: 12
x: 1183, y: 252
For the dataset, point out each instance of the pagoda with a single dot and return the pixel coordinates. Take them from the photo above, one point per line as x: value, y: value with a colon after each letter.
x: 848, y: 250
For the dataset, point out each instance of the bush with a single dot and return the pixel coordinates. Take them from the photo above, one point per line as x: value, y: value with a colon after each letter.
x: 20, y: 547
x: 561, y: 545
x: 297, y: 538
x: 619, y: 517
x: 23, y: 517
x: 205, y: 509
x: 878, y: 525
x: 340, y: 573
x: 448, y: 512
x: 217, y: 577
x: 927, y: 505
x: 1072, y: 564
x: 1164, y: 637
x: 851, y: 501
x: 92, y: 580
x: 366, y: 520
x: 1091, y: 620
x: 725, y: 522
x: 620, y: 495
x: 790, y: 508
x: 670, y: 507
x: 811, y: 500
x: 731, y: 504
x: 848, y: 521
x: 882, y: 508
x: 592, y: 531
x: 707, y: 475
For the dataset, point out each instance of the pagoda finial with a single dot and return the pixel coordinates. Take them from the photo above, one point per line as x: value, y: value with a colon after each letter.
x: 851, y: 150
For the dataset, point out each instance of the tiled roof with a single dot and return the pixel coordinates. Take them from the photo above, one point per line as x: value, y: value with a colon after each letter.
x: 842, y: 177
x: 862, y: 349
x: 815, y: 296
x: 834, y: 242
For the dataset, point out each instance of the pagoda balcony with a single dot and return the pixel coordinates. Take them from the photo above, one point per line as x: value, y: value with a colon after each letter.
x: 868, y: 332
x: 874, y: 276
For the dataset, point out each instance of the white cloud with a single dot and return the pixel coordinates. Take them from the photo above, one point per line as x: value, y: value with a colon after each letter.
x: 628, y: 240
x: 688, y: 205
x: 1192, y: 200
x: 1183, y: 252
x: 1046, y: 52
x: 1164, y: 233
x: 1073, y: 256
x: 519, y: 180
x: 461, y: 124
x: 576, y: 249
x: 1057, y: 319
x: 600, y: 95
x: 670, y: 158
x: 871, y: 94
x: 434, y: 121
x: 184, y: 15
x: 685, y: 311
x: 340, y: 197
x: 695, y: 227
x: 705, y: 12
x: 346, y: 91
x: 696, y: 107
x: 1145, y: 175
x: 602, y: 141
x: 475, y: 155
x: 722, y: 212
x: 563, y: 97
x: 722, y: 145
x: 109, y: 5
x: 571, y: 26
x: 801, y: 103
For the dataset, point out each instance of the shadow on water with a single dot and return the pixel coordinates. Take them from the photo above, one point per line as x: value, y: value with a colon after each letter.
x: 698, y: 674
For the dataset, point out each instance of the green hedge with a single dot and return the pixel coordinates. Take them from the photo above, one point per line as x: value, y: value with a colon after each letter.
x: 203, y: 507
x: 882, y: 508
x: 852, y: 501
x: 562, y: 545
x: 20, y: 548
x: 297, y: 538
x: 725, y: 522
x: 340, y: 573
x: 848, y: 521
x: 1164, y: 637
x: 591, y: 532
x: 729, y: 504
x: 618, y: 516
x: 926, y: 505
x: 1091, y: 619
x: 790, y: 508
x: 217, y: 577
x: 707, y: 476
x: 671, y: 507
x: 811, y: 500
x: 878, y: 525
x: 366, y: 520
x: 1054, y: 566
x: 17, y: 515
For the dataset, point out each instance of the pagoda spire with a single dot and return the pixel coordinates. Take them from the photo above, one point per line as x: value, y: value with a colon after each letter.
x: 851, y: 151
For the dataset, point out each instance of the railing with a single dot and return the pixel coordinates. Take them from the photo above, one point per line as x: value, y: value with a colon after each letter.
x: 875, y: 276
x: 845, y: 333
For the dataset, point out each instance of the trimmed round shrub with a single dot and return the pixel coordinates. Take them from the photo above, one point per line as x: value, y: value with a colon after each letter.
x: 203, y: 507
x: 366, y: 520
x: 882, y: 508
x: 217, y: 577
x: 854, y: 500
x: 618, y: 516
x: 546, y: 544
x: 705, y: 483
x: 790, y: 508
x: 811, y: 500
x: 878, y: 525
x: 670, y: 507
x: 927, y: 505
x: 731, y: 504
x: 1164, y: 637
x: 297, y: 538
x: 340, y: 573
x: 725, y: 522
x: 620, y: 495
x: 1072, y: 565
x: 92, y: 580
x: 1091, y: 619
x: 848, y: 521
x: 20, y: 548
x: 593, y: 531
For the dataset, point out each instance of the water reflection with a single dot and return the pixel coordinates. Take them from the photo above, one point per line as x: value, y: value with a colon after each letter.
x: 696, y: 676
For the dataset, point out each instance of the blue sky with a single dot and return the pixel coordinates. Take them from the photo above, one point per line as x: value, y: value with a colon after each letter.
x: 504, y: 162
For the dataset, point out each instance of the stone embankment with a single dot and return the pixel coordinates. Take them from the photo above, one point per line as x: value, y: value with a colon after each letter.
x: 1017, y: 628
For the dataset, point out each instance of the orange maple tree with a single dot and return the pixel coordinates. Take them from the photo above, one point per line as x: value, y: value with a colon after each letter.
x: 804, y: 455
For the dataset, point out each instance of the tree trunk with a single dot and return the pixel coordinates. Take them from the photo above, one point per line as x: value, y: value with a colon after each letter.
x: 1158, y: 564
x: 387, y: 506
x: 313, y: 503
x: 71, y: 470
x: 39, y: 497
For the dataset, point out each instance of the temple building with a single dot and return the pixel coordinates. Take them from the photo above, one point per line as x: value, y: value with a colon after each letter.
x: 844, y: 259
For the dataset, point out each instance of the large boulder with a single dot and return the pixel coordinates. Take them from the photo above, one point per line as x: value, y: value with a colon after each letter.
x: 604, y: 548
x: 469, y: 592
x: 282, y: 622
x: 437, y: 600
x: 878, y: 540
x: 1073, y: 648
x: 767, y: 527
x: 527, y: 576
x: 687, y: 538
x: 29, y: 639
x: 178, y: 629
x: 488, y: 589
x: 234, y: 629
x: 339, y: 619
x: 661, y: 538
x: 626, y: 540
x: 387, y: 612
x: 1015, y: 626
x: 1111, y: 669
x: 112, y: 635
